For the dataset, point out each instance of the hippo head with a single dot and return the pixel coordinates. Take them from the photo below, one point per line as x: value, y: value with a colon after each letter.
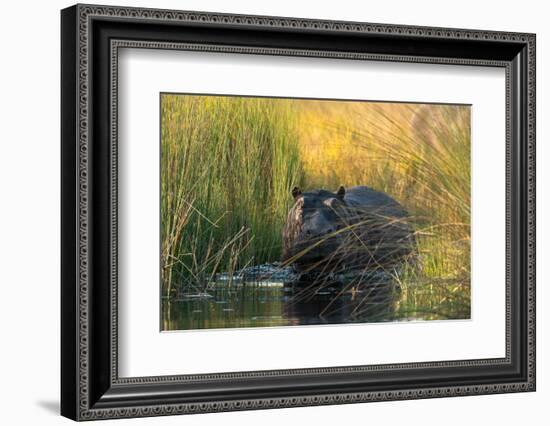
x: 311, y: 234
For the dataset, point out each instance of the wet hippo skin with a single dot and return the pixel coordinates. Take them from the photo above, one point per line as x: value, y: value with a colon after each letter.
x: 351, y: 229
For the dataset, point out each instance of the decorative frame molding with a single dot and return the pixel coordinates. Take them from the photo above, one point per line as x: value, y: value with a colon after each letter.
x: 85, y: 396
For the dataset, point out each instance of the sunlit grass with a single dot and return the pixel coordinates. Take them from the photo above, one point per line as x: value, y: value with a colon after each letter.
x: 228, y: 165
x: 420, y: 155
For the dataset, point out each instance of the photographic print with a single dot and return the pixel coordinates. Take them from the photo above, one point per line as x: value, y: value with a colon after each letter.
x: 311, y: 184
x: 286, y: 211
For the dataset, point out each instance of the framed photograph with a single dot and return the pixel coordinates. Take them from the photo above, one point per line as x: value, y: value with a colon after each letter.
x: 263, y: 212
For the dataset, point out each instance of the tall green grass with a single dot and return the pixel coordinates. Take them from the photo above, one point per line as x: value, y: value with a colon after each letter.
x: 433, y: 151
x: 420, y: 155
x: 227, y: 167
x: 229, y: 163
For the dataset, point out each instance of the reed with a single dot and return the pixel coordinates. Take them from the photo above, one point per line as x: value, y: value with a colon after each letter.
x: 420, y: 155
x: 227, y: 166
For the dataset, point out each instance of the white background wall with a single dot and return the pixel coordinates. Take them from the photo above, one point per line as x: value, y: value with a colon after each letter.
x: 29, y: 212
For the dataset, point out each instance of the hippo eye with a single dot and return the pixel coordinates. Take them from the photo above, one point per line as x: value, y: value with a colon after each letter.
x: 332, y: 203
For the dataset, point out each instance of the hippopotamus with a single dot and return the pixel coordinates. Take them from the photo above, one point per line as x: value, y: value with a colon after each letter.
x: 357, y: 229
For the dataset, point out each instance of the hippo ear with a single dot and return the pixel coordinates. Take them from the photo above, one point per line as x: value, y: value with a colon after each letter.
x: 296, y: 192
x: 341, y: 192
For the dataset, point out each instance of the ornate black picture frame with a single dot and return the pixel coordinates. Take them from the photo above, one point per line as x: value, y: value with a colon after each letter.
x: 90, y: 38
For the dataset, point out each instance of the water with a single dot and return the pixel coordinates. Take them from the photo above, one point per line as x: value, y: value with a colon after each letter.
x: 273, y: 303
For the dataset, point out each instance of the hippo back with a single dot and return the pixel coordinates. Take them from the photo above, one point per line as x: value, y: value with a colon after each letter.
x: 354, y: 229
x: 371, y: 200
x: 380, y: 235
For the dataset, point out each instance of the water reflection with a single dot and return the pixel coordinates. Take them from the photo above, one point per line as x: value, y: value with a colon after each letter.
x: 279, y: 304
